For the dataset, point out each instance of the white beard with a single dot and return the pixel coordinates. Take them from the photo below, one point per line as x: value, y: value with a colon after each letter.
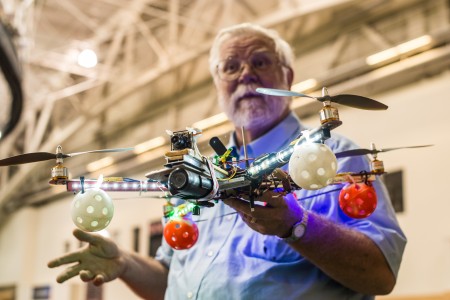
x: 254, y: 111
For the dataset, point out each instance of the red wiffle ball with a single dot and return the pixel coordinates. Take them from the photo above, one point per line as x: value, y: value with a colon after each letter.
x: 181, y: 233
x: 358, y: 200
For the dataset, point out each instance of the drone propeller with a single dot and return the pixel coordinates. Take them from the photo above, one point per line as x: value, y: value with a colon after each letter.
x: 42, y: 156
x: 344, y: 99
x: 356, y: 152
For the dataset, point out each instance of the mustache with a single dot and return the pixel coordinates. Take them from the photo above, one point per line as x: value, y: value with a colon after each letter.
x: 244, y: 91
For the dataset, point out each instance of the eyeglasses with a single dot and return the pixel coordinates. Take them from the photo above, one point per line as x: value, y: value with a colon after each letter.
x: 261, y: 62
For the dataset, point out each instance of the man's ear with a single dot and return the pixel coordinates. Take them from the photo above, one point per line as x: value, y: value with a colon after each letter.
x: 215, y: 80
x: 289, y: 76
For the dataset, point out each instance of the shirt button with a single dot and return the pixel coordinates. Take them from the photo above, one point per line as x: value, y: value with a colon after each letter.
x: 210, y: 253
x: 190, y: 294
x: 229, y: 218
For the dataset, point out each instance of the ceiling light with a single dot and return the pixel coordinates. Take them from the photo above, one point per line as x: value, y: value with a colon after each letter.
x: 87, y: 58
x: 211, y: 121
x: 149, y: 145
x: 305, y: 85
x: 404, y: 48
x: 100, y: 164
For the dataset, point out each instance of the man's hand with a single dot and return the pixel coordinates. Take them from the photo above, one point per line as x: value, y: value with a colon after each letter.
x: 277, y: 217
x: 101, y: 261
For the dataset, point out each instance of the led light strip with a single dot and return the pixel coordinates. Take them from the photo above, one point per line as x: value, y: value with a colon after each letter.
x: 117, y: 186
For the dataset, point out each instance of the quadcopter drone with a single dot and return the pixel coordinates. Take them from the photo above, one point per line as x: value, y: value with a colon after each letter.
x: 201, y: 181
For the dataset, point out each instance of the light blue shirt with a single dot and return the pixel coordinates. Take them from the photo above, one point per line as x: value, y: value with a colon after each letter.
x: 231, y: 261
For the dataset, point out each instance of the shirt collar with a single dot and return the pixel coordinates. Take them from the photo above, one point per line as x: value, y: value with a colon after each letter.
x: 274, y: 140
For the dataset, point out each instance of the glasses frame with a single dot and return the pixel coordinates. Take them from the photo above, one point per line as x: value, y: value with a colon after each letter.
x: 247, y: 61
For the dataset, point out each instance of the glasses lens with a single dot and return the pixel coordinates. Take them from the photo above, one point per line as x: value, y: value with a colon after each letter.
x: 261, y: 62
x: 230, y: 68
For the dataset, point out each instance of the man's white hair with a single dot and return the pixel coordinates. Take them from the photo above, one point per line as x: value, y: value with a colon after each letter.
x: 282, y: 48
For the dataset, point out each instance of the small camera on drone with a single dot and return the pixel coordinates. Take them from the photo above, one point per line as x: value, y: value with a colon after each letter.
x: 181, y: 140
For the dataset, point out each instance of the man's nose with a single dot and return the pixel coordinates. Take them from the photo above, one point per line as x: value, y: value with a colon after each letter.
x: 248, y: 74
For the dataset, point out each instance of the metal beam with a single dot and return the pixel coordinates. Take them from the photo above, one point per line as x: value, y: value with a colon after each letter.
x: 72, y: 9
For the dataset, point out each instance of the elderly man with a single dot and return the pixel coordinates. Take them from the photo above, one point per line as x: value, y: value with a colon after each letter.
x: 282, y: 250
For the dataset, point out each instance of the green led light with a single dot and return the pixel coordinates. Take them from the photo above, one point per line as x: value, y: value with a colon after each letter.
x: 182, y: 210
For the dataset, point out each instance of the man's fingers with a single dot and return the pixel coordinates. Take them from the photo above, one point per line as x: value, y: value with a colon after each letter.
x: 240, y: 206
x: 65, y: 259
x: 86, y: 275
x: 246, y: 218
x: 68, y: 273
x: 99, y: 280
x: 88, y: 237
x: 273, y: 200
x: 243, y: 207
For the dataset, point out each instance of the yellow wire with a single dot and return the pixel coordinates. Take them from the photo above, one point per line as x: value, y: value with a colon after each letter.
x: 231, y: 176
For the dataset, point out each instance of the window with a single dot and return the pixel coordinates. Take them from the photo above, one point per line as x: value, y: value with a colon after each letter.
x: 155, y: 237
x: 394, y: 185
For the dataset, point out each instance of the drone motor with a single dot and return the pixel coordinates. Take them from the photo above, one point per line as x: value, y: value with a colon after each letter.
x: 59, y: 173
x: 328, y: 113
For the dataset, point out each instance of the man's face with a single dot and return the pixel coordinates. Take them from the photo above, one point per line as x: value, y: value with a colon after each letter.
x: 237, y: 97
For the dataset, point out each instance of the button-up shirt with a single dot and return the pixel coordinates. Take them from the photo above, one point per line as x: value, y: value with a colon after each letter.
x: 231, y: 261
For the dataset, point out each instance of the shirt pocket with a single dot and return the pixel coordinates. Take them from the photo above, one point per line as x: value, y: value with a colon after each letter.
x: 270, y: 248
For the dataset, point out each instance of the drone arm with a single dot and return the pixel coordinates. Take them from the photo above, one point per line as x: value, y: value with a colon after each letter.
x: 270, y: 162
x: 357, y: 177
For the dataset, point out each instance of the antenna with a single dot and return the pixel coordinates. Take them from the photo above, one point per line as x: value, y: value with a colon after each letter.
x: 244, y: 144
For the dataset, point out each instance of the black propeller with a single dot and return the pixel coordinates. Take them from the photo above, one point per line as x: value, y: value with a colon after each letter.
x: 42, y: 156
x: 356, y: 152
x: 344, y: 99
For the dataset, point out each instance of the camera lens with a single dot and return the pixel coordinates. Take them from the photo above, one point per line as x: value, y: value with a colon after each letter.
x: 178, y: 178
x: 175, y: 139
x: 179, y: 142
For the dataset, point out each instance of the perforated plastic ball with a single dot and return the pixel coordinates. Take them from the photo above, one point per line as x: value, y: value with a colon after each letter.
x: 312, y: 166
x: 358, y: 200
x: 181, y: 233
x: 92, y: 210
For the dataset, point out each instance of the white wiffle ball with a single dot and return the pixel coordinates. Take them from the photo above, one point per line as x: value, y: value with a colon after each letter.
x: 92, y: 210
x: 312, y: 166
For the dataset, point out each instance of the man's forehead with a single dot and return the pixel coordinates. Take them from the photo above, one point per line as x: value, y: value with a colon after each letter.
x: 245, y: 44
